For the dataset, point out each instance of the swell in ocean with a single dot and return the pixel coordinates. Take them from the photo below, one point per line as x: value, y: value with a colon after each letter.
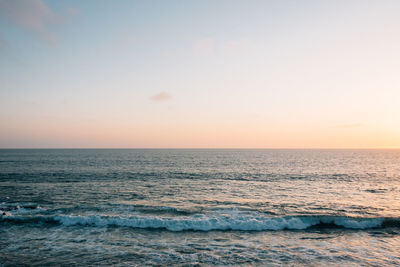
x: 208, y: 222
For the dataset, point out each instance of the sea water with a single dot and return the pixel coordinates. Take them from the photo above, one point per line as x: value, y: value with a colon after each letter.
x: 129, y: 207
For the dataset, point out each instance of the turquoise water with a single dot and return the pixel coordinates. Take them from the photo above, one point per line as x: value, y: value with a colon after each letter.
x: 205, y: 207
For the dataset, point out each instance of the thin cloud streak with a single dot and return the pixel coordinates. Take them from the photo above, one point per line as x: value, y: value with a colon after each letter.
x: 34, y: 16
x: 163, y: 96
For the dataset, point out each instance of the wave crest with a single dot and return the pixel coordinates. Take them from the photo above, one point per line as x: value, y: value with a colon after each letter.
x: 203, y: 222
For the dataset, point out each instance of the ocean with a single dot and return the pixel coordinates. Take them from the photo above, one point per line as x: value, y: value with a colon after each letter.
x: 204, y: 207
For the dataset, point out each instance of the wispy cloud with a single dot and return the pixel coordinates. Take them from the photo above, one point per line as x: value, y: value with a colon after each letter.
x: 31, y: 15
x: 35, y: 16
x: 163, y: 96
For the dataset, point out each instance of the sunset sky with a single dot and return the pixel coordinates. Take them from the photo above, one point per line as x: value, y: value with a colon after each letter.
x: 200, y: 74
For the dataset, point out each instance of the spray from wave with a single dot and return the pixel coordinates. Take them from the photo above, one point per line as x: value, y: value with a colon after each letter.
x: 209, y: 222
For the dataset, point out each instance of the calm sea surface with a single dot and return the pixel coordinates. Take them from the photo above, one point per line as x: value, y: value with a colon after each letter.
x: 200, y: 207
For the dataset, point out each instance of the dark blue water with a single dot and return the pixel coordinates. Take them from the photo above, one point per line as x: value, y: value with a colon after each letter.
x: 206, y: 207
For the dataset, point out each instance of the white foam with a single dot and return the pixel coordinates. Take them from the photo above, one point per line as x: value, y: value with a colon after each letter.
x: 5, y: 214
x: 200, y: 222
x: 217, y: 220
x: 352, y: 223
x: 20, y: 209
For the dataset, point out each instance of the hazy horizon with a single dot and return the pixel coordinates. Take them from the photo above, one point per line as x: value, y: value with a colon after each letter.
x: 200, y: 74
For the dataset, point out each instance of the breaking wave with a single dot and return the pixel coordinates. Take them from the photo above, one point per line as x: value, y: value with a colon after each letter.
x: 204, y: 222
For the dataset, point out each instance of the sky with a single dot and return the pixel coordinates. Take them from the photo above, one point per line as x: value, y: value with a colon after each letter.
x: 200, y: 74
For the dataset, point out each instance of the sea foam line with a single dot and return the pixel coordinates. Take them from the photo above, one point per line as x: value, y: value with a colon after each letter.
x: 203, y: 222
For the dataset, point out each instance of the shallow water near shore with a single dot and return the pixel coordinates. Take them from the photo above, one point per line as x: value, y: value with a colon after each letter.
x: 207, y: 207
